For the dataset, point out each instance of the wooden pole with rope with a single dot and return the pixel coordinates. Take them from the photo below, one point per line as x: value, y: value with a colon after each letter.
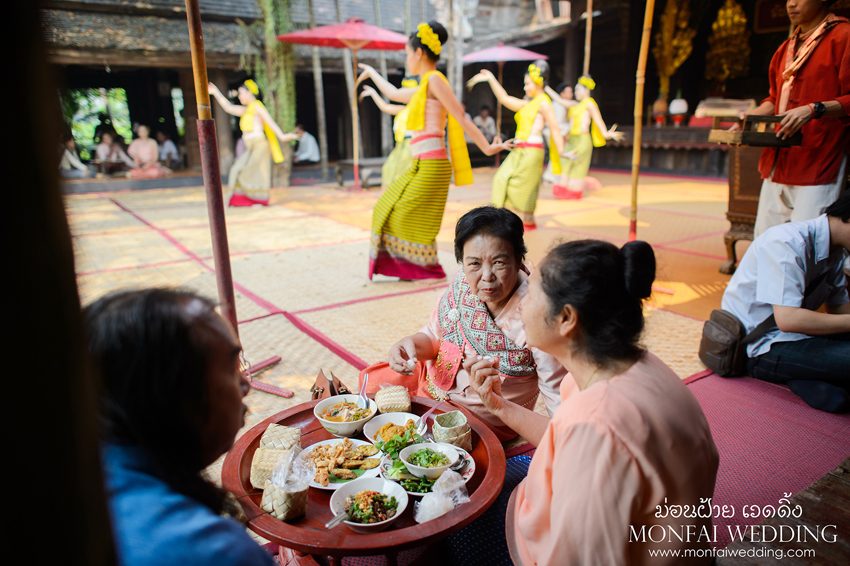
x: 215, y: 199
x: 501, y: 65
x: 640, y: 79
x: 587, y: 35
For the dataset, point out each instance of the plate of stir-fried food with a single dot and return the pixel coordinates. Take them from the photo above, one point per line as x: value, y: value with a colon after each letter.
x: 338, y: 462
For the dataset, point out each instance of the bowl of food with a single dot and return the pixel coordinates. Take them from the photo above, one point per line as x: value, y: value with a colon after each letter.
x: 385, y: 426
x: 371, y: 503
x: 341, y: 416
x: 428, y: 460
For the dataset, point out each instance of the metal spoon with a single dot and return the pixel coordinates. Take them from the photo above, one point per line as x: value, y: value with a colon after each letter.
x: 336, y: 520
x: 423, y: 420
x: 362, y: 400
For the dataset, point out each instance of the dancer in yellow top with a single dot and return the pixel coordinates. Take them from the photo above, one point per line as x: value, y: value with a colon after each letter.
x: 400, y: 159
x: 517, y: 182
x: 587, y: 130
x: 408, y: 215
x: 251, y: 174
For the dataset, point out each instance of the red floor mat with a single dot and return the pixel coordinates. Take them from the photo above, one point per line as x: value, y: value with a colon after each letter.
x: 770, y: 443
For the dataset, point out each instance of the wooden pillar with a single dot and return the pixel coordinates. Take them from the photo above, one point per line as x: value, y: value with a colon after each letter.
x: 319, y: 88
x: 224, y: 133
x: 190, y: 119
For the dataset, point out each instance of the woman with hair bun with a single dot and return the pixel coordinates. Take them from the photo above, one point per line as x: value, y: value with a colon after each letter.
x: 517, y: 182
x: 409, y: 214
x: 630, y: 442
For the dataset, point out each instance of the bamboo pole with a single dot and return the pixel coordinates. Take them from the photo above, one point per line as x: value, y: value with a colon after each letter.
x: 355, y: 117
x: 587, y: 35
x: 319, y: 88
x: 640, y: 79
x: 210, y: 166
x: 407, y: 18
x: 387, y: 138
x: 499, y: 110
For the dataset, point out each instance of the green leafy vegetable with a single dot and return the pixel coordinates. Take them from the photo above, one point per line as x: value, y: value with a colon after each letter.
x: 395, y: 445
x: 427, y: 458
x: 418, y: 485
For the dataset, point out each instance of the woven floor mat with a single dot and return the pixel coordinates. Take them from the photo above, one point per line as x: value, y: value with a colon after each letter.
x: 93, y: 223
x: 296, y: 280
x: 158, y: 198
x: 266, y: 236
x: 368, y: 329
x: 302, y: 356
x: 111, y: 251
x: 674, y: 339
x: 712, y: 244
x: 653, y: 227
x: 189, y: 275
x: 324, y: 200
x: 77, y: 204
x: 698, y: 286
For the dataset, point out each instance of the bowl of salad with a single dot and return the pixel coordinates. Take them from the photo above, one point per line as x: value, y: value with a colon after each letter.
x: 341, y: 416
x: 428, y: 460
x: 371, y: 503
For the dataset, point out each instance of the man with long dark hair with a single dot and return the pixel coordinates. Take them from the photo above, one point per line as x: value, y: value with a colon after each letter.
x: 171, y: 405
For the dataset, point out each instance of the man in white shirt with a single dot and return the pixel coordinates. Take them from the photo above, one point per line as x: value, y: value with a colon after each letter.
x: 308, y: 149
x: 167, y: 151
x: 789, y: 272
x: 486, y: 123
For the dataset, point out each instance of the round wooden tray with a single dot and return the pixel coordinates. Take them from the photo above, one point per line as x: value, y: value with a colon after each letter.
x: 308, y: 534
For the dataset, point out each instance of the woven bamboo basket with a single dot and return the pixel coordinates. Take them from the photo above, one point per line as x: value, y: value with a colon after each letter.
x: 279, y: 437
x: 453, y: 428
x: 393, y: 399
x: 262, y: 464
x: 283, y: 505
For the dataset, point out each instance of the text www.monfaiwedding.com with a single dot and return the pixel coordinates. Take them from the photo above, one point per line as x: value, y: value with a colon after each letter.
x: 776, y: 553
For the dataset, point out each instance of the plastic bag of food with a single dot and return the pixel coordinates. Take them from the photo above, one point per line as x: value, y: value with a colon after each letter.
x: 448, y: 492
x: 285, y: 492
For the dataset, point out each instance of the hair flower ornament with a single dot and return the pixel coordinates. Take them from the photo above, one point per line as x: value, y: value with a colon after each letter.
x: 534, y: 73
x: 588, y: 82
x: 429, y: 38
x: 252, y: 86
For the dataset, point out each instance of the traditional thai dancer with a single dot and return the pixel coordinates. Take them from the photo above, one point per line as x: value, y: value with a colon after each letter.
x: 587, y: 130
x: 251, y: 174
x: 517, y: 182
x: 408, y: 215
x: 400, y: 159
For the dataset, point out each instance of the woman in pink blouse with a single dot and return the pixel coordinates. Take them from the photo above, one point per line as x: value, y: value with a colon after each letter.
x: 629, y: 443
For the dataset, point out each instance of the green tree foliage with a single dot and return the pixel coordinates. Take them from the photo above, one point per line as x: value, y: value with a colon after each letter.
x: 82, y: 108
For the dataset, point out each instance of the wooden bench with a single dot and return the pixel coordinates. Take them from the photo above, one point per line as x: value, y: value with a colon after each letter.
x: 367, y: 167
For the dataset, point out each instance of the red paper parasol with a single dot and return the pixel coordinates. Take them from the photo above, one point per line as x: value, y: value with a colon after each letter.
x: 355, y: 35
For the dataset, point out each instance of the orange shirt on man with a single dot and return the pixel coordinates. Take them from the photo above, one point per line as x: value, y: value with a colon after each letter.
x: 824, y: 77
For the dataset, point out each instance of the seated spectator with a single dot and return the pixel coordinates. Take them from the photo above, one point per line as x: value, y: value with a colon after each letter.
x: 486, y: 123
x: 168, y: 154
x: 468, y: 117
x: 70, y: 166
x: 789, y: 272
x: 171, y: 405
x: 145, y: 154
x: 630, y: 441
x: 308, y: 149
x: 110, y: 150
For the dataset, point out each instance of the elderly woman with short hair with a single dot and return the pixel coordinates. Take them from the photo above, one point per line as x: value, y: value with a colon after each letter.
x: 478, y: 315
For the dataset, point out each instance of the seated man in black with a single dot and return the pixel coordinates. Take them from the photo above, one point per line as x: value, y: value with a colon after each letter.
x: 789, y: 272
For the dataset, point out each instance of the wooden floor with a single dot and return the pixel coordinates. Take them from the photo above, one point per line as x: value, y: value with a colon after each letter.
x: 821, y: 535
